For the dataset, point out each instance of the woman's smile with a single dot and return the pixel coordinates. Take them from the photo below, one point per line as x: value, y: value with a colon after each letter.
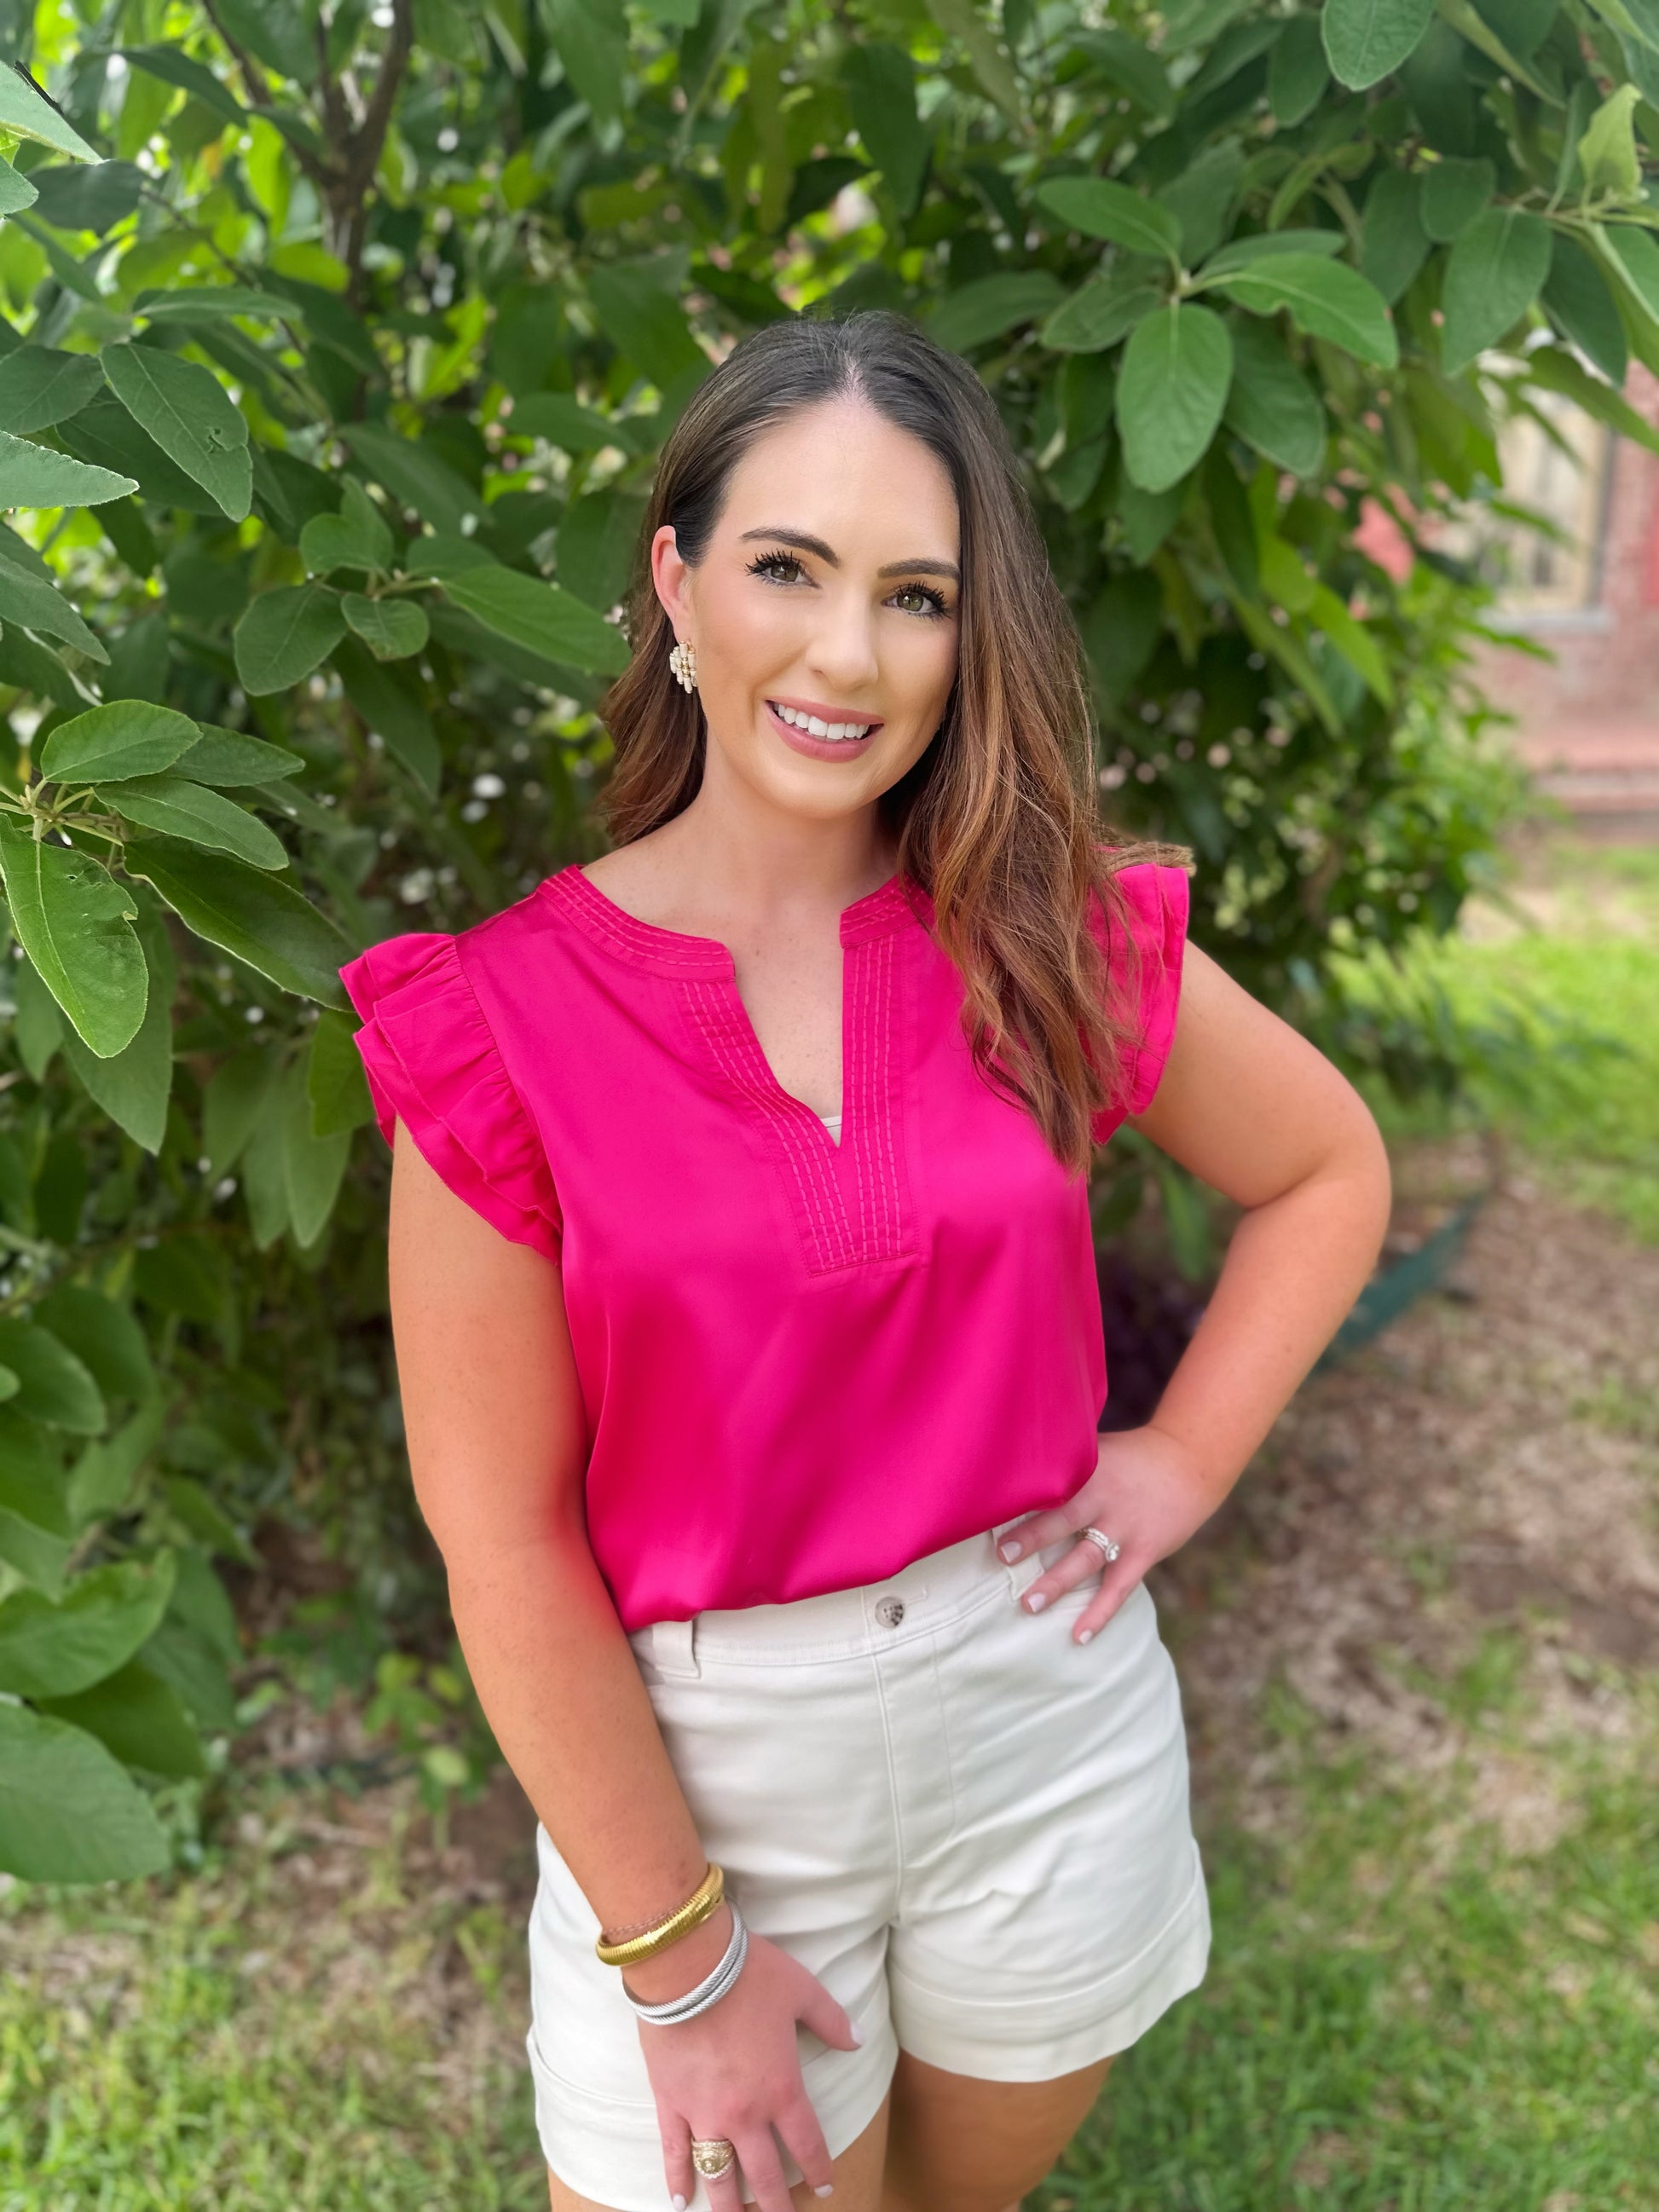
x: 841, y: 738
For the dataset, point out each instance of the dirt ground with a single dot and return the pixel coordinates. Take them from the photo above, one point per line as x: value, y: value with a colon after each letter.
x: 1487, y: 1462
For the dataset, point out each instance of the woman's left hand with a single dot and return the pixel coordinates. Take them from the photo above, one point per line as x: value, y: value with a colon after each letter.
x: 1147, y: 1492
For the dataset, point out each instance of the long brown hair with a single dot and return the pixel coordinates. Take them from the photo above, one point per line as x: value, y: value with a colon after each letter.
x: 997, y: 820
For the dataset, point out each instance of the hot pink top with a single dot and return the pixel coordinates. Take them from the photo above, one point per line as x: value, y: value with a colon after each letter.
x: 804, y: 1364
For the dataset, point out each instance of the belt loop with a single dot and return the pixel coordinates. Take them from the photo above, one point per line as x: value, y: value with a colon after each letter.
x: 673, y: 1646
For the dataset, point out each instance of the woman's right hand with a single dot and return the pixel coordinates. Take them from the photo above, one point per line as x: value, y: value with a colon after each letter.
x: 734, y: 2069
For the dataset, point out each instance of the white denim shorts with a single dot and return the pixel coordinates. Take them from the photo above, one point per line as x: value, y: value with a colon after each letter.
x: 975, y: 1831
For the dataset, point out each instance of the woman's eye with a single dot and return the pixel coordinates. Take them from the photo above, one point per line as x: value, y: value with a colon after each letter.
x: 768, y: 564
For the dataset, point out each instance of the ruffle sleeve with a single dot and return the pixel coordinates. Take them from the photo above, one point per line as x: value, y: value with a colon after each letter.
x: 1158, y: 902
x: 432, y: 1063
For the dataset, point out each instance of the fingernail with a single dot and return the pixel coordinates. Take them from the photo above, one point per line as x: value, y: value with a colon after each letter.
x: 857, y: 2033
x: 1011, y: 1549
x: 825, y: 2189
x: 679, y: 2203
x: 1083, y: 1634
x: 1036, y: 1601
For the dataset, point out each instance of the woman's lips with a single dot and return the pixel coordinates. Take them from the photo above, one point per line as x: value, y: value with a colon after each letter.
x: 803, y: 741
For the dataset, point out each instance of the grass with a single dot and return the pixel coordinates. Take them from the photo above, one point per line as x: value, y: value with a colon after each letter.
x: 170, y: 2045
x: 1588, y: 1115
x: 1400, y: 2020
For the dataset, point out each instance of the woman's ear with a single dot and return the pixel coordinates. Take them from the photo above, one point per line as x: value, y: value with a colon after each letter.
x: 671, y: 578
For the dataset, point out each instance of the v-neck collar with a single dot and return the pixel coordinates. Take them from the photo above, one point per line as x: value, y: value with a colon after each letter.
x: 661, y: 952
x: 850, y: 1198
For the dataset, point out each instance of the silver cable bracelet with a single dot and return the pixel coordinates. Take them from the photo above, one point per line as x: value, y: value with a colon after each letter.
x: 714, y: 1985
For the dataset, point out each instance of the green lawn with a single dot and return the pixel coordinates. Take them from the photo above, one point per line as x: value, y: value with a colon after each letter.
x: 1384, y: 2029
x: 1588, y: 1117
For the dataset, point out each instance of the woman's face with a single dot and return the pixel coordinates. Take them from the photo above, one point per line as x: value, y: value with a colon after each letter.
x: 829, y: 590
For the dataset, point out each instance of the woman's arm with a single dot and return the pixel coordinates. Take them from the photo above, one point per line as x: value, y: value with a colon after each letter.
x: 1259, y: 1113
x: 498, y: 1447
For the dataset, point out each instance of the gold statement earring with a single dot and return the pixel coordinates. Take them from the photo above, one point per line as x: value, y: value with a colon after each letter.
x: 683, y: 662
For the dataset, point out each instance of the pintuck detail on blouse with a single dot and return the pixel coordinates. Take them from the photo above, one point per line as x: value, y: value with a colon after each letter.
x: 430, y: 1057
x: 803, y: 1364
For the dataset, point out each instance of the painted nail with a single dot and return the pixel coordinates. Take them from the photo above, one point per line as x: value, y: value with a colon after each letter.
x: 1036, y: 1601
x: 1083, y: 1634
x: 1011, y: 1549
x: 825, y: 2189
x: 679, y: 2203
x: 857, y: 2033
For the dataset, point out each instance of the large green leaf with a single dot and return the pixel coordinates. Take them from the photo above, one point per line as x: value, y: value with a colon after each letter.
x: 1364, y: 40
x: 1454, y: 193
x: 637, y: 303
x: 1607, y: 152
x: 881, y: 88
x: 1326, y: 299
x: 286, y: 634
x: 593, y: 43
x: 52, y: 1650
x: 1271, y: 404
x: 104, y: 436
x: 234, y: 1102
x: 540, y: 616
x: 1298, y: 72
x: 134, y: 1086
x: 391, y: 708
x: 356, y: 537
x: 103, y: 1334
x: 1579, y: 302
x: 313, y: 1167
x: 190, y: 417
x: 392, y: 630
x: 1101, y: 208
x: 416, y: 477
x: 990, y: 306
x: 1394, y: 245
x: 263, y: 918
x: 55, y: 1387
x: 227, y: 758
x: 200, y: 816
x: 139, y: 1717
x: 1106, y: 309
x: 27, y: 599
x: 1245, y: 252
x: 335, y: 1080
x: 1494, y: 273
x: 26, y: 114
x: 15, y: 193
x: 39, y: 386
x: 1172, y: 387
x: 129, y: 736
x: 1557, y: 370
x: 74, y: 921
x: 68, y: 1811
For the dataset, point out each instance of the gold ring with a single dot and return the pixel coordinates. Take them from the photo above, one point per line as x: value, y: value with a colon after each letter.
x: 713, y: 2154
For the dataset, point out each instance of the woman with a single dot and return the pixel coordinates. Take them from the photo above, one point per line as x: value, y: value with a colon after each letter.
x: 744, y: 1304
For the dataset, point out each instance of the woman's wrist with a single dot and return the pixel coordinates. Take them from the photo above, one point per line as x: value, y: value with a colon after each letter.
x: 685, y: 1962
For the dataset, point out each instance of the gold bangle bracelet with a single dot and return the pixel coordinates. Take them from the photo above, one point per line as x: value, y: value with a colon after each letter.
x: 705, y: 1900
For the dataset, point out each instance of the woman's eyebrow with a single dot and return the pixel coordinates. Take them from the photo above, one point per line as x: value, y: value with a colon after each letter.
x: 811, y: 544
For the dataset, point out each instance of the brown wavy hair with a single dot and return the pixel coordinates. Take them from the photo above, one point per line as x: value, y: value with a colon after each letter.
x: 997, y: 820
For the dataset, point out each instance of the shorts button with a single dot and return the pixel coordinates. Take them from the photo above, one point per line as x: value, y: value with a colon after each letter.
x: 889, y: 1611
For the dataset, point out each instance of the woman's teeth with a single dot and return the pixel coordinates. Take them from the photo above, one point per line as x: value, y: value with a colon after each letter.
x: 815, y: 728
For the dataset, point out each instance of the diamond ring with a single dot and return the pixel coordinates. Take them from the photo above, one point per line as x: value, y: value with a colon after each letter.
x: 1108, y: 1550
